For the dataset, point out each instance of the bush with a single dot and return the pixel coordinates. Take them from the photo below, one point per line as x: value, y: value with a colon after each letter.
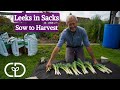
x: 94, y: 28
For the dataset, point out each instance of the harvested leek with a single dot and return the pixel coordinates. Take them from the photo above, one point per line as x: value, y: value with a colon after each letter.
x: 82, y: 66
x: 90, y: 67
x: 56, y: 68
x: 103, y: 68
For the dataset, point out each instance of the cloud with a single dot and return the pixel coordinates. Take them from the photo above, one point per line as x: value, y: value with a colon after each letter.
x: 87, y: 14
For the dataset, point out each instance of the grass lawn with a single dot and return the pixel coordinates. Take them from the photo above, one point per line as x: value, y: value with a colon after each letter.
x: 45, y: 51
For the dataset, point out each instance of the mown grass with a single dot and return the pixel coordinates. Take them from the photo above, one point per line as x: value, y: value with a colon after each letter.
x: 30, y: 62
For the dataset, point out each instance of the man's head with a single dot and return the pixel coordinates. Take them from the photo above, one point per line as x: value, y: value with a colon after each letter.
x: 71, y: 22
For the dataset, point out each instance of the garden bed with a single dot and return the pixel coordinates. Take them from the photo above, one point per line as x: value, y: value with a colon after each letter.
x: 40, y: 72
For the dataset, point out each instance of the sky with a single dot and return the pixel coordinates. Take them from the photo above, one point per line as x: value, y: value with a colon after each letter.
x: 63, y: 14
x: 88, y: 14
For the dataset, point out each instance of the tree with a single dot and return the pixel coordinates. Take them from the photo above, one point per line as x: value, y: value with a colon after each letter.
x: 6, y: 25
x: 94, y: 28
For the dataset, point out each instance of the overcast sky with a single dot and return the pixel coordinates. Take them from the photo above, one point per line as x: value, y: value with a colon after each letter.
x: 87, y: 14
x: 63, y: 14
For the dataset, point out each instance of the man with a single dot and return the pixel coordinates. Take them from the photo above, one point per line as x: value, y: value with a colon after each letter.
x: 75, y: 37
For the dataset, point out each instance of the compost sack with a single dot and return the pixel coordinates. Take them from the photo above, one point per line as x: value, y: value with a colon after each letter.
x: 4, y: 45
x: 31, y: 44
x: 3, y: 49
x: 5, y: 37
x: 16, y: 44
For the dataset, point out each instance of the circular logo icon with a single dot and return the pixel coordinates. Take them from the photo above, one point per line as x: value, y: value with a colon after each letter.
x: 14, y: 67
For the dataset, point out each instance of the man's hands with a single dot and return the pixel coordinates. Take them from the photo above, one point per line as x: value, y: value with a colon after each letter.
x: 95, y: 61
x: 48, y: 66
x: 55, y: 51
x: 89, y: 49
